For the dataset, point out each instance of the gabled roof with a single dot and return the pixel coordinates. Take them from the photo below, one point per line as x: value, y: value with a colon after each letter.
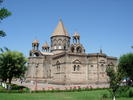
x: 60, y: 30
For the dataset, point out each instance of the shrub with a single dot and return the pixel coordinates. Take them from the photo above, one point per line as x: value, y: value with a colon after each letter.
x: 122, y: 91
x: 16, y: 87
x: 130, y: 93
x: 13, y: 88
x: 105, y: 95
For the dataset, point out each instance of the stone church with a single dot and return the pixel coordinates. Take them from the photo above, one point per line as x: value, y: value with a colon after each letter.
x: 63, y: 62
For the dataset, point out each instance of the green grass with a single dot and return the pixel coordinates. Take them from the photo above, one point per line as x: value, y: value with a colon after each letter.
x: 1, y: 88
x: 83, y: 95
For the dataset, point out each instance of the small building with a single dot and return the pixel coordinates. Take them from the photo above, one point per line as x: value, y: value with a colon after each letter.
x: 63, y: 62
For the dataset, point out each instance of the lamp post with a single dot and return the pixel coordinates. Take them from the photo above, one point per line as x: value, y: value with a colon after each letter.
x: 36, y: 77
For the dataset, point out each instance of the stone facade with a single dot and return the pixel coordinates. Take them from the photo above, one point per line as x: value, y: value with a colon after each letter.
x: 67, y: 63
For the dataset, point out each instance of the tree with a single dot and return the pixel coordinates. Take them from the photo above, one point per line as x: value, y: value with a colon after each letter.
x: 3, y: 14
x: 126, y: 65
x: 12, y: 65
x: 115, y: 78
x: 3, y: 76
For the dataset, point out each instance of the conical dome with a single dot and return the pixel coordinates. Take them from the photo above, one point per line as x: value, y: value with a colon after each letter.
x: 35, y: 42
x: 45, y: 46
x: 60, y: 30
x: 76, y: 35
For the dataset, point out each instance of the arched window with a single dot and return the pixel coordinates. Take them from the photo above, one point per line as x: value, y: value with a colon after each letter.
x: 79, y: 49
x: 36, y: 54
x: 102, y: 65
x: 72, y: 49
x: 55, y: 47
x: 58, y: 66
x: 78, y: 67
x: 59, y: 44
x: 64, y: 46
x: 55, y: 44
x: 74, y: 68
x: 111, y: 64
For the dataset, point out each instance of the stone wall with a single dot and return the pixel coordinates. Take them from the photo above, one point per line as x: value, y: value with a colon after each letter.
x: 70, y: 68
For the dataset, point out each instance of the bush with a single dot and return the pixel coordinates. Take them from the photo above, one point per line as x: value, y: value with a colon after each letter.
x: 13, y: 88
x: 122, y: 91
x: 125, y: 91
x: 1, y: 88
x: 105, y: 95
x: 68, y: 90
x: 16, y: 87
x: 130, y: 93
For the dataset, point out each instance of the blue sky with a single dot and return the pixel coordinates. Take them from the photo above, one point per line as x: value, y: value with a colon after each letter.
x: 106, y: 24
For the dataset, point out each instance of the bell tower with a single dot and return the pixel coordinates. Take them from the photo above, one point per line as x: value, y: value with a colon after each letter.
x: 35, y: 45
x: 60, y: 39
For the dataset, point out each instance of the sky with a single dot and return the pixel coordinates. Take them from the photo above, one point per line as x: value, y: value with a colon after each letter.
x: 105, y: 24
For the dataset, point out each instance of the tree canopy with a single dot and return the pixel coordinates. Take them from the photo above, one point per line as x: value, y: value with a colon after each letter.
x: 12, y: 65
x: 3, y: 14
x: 126, y: 65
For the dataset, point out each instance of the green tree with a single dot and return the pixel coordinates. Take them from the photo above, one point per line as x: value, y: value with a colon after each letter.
x: 3, y: 14
x: 115, y: 78
x: 3, y: 76
x: 126, y: 65
x: 12, y: 65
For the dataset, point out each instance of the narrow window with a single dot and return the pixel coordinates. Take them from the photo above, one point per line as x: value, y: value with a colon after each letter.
x: 74, y: 68
x: 78, y: 67
x: 79, y: 50
x: 58, y: 67
x: 72, y: 49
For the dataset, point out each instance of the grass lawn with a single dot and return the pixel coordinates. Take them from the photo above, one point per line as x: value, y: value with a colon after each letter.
x: 1, y: 88
x: 84, y: 95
